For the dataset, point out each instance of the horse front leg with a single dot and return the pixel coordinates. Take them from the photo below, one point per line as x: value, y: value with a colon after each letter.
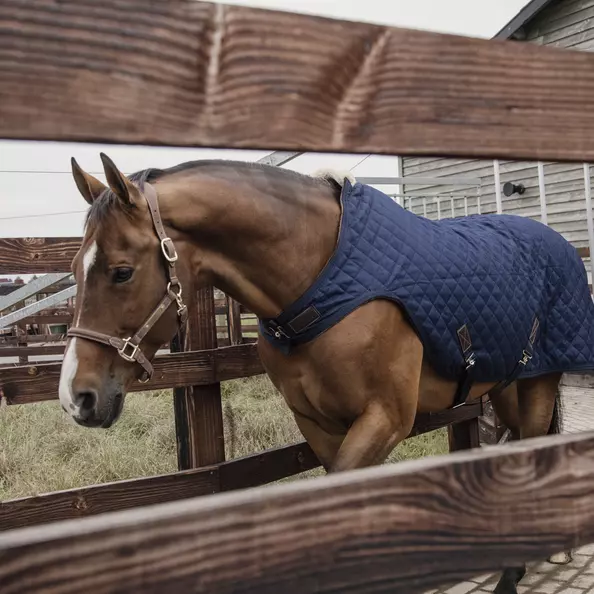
x: 325, y: 445
x: 383, y: 424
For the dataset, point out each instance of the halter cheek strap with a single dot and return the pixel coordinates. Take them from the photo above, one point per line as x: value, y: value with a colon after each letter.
x: 129, y: 348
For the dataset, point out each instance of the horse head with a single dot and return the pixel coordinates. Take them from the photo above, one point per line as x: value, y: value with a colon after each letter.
x: 129, y: 277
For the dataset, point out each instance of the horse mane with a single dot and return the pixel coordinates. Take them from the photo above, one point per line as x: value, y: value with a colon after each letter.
x: 107, y: 202
x: 334, y: 175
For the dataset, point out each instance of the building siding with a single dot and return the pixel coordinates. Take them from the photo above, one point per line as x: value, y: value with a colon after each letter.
x: 566, y: 24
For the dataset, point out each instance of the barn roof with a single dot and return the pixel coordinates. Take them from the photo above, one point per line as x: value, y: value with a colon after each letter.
x: 524, y: 16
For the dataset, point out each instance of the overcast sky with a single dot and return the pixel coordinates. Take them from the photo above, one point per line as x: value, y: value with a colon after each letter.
x: 46, y: 203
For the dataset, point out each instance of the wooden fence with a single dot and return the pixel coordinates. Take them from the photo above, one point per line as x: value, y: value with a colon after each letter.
x: 245, y: 78
x: 196, y: 376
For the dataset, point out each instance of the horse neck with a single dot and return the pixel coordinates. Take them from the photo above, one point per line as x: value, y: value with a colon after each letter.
x: 261, y: 243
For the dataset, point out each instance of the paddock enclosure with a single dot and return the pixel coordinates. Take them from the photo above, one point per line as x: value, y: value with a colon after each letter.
x: 194, y: 74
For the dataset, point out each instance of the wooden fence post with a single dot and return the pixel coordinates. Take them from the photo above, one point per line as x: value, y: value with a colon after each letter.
x: 198, y: 409
x: 21, y: 332
x: 234, y: 321
x: 465, y: 435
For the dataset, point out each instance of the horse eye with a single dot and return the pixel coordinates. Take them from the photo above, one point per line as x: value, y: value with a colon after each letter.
x: 121, y: 275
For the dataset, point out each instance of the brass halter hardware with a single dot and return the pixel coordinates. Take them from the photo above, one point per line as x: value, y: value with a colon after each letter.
x: 129, y: 348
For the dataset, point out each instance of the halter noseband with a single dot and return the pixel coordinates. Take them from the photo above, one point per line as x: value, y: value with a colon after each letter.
x: 129, y: 348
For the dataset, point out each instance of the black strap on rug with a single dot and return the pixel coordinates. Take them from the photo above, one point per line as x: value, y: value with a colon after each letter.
x: 467, y: 377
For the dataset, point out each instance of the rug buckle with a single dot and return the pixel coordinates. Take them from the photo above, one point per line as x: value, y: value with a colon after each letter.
x: 277, y: 330
x: 525, y: 357
x: 470, y: 361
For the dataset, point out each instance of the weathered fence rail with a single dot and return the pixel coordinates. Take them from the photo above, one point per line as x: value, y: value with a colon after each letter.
x: 394, y: 93
x: 38, y: 382
x: 403, y: 528
x: 198, y: 415
x: 241, y: 473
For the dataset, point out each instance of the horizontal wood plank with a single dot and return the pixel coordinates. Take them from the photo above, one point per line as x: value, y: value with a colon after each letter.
x: 35, y: 383
x: 403, y: 528
x: 248, y: 471
x: 31, y: 351
x: 241, y: 473
x: 98, y: 499
x: 225, y: 342
x: 36, y: 255
x: 396, y: 91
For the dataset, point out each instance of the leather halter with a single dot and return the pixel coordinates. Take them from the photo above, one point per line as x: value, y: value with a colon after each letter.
x: 129, y: 348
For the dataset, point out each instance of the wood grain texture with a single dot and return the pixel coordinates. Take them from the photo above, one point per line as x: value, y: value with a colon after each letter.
x: 202, y: 406
x: 98, y: 499
x: 464, y: 435
x: 180, y: 413
x: 266, y: 467
x: 402, y: 528
x: 189, y: 73
x: 241, y: 473
x: 36, y: 255
x: 234, y: 323
x: 39, y: 382
x: 31, y: 351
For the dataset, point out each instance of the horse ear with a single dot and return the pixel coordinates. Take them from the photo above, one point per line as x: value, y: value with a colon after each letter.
x: 120, y: 185
x: 90, y: 187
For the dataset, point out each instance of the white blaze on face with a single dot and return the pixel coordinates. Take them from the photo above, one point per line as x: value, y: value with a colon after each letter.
x: 70, y: 361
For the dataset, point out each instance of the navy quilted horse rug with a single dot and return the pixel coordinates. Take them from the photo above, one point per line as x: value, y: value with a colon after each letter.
x: 502, y: 295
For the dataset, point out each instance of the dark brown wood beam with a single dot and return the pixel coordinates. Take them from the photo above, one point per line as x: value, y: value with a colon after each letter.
x: 241, y: 473
x: 403, y: 528
x: 341, y: 87
x: 39, y: 382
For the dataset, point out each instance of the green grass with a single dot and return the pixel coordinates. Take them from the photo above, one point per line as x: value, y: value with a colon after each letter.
x: 41, y: 450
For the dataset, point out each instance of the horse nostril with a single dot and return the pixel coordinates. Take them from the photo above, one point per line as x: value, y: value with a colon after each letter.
x: 86, y: 401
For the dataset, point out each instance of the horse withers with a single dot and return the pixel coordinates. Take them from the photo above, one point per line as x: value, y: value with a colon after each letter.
x: 368, y: 313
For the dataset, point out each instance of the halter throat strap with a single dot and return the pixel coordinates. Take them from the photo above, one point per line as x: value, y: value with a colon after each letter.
x: 129, y: 348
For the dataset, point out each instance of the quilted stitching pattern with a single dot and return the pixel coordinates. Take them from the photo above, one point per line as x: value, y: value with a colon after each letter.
x: 492, y: 273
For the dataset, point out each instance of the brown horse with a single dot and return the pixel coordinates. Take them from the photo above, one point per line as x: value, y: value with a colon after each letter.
x: 262, y: 235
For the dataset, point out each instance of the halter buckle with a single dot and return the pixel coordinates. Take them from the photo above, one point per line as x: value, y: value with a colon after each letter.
x: 178, y: 297
x: 122, y: 352
x: 168, y: 249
